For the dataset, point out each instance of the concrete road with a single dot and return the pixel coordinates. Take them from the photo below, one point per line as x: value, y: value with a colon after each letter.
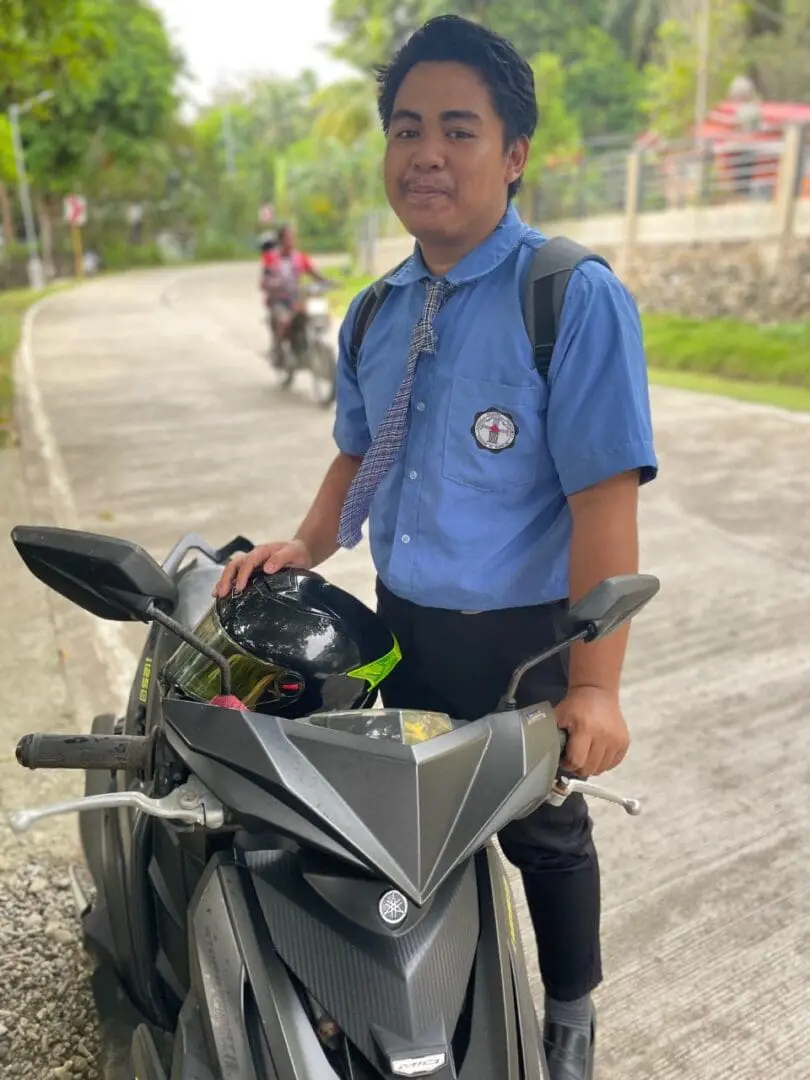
x: 151, y: 412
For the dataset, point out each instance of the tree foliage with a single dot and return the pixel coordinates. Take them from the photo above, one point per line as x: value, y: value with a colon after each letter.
x: 671, y: 78
x: 113, y: 129
x: 47, y: 45
x: 100, y: 127
x: 778, y: 49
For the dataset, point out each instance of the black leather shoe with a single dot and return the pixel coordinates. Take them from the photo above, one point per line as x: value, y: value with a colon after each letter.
x: 569, y: 1053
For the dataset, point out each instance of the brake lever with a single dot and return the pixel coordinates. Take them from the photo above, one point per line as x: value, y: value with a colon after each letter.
x: 568, y: 785
x: 191, y: 803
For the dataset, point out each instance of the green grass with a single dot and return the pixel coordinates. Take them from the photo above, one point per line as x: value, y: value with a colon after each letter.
x: 350, y: 286
x: 13, y: 304
x: 766, y: 364
x: 795, y: 398
x: 776, y: 355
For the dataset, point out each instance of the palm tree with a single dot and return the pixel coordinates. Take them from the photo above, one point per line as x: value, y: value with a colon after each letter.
x: 344, y: 110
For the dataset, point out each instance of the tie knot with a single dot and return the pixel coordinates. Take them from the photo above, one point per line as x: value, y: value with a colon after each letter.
x: 439, y: 287
x: 435, y: 295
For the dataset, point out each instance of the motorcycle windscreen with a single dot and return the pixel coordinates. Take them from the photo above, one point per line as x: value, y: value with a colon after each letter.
x: 407, y: 726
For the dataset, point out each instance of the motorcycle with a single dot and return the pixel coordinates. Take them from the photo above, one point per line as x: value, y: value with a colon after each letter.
x: 314, y: 899
x: 308, y: 346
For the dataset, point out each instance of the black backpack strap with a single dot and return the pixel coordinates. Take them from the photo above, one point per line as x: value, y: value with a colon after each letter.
x: 370, y: 303
x: 549, y: 273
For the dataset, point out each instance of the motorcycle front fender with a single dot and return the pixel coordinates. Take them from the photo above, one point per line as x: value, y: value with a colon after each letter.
x: 242, y: 1001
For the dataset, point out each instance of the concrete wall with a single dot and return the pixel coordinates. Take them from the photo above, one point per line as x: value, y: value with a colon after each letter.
x: 738, y: 221
x: 710, y: 262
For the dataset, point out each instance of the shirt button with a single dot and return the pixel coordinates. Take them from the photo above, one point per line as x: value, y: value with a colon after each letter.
x: 420, y: 406
x: 405, y: 538
x: 413, y: 474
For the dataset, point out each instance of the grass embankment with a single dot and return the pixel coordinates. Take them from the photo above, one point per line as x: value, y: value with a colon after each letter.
x: 768, y: 364
x: 13, y: 305
x: 350, y: 286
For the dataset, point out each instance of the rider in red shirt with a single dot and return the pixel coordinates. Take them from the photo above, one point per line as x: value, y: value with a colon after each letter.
x: 283, y: 266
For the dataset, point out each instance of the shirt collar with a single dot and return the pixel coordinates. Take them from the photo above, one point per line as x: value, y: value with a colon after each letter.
x: 489, y: 254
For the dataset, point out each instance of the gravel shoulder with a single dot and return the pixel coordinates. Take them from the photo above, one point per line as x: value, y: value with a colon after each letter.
x: 47, y: 1020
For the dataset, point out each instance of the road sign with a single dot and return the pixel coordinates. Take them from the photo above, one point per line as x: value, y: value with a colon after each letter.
x: 266, y: 214
x: 75, y: 207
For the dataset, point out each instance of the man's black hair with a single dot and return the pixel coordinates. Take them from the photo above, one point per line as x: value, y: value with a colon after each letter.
x: 449, y: 38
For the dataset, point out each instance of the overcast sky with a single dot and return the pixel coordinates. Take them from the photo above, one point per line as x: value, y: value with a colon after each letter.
x: 226, y: 39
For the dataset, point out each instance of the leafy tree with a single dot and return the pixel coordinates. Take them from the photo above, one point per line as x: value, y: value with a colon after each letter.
x: 603, y: 86
x: 559, y: 135
x: 47, y: 45
x: 346, y: 110
x: 113, y: 119
x: 777, y: 52
x: 603, y: 89
x: 671, y: 78
x: 371, y: 30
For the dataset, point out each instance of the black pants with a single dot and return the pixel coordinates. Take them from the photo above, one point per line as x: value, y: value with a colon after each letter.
x: 460, y: 664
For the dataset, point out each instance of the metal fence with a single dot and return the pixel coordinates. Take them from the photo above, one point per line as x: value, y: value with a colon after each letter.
x: 672, y: 175
x: 594, y: 184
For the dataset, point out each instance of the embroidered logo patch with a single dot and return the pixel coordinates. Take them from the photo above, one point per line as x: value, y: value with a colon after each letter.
x: 494, y: 430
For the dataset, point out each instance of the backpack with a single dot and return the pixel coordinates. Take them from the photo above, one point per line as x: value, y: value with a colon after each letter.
x: 544, y: 292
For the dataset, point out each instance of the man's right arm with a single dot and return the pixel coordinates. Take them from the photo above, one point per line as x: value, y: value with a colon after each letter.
x: 316, y: 537
x: 319, y: 529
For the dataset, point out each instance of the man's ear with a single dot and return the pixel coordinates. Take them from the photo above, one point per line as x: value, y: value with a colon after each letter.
x: 516, y: 159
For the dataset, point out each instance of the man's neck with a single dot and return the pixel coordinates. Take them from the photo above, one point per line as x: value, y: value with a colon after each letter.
x: 440, y: 257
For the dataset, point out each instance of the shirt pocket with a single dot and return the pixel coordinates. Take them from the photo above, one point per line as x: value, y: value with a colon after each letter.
x: 495, y: 434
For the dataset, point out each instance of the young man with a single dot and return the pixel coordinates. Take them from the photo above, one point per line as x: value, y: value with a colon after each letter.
x: 494, y: 495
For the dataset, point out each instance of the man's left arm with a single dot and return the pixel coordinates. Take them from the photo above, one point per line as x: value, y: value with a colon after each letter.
x: 600, y: 435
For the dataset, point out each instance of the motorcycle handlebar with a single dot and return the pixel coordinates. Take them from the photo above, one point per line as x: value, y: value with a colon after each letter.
x: 131, y: 753
x: 107, y: 752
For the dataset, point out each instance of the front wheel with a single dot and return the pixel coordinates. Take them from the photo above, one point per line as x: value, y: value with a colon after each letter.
x: 282, y: 363
x: 323, y: 368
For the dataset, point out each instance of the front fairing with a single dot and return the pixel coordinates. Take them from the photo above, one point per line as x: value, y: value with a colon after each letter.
x: 410, y: 813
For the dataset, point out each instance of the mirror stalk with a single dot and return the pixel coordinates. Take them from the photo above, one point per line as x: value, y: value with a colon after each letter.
x: 508, y: 702
x: 154, y: 612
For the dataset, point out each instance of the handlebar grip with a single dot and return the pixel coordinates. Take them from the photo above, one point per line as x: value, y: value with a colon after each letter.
x: 109, y: 752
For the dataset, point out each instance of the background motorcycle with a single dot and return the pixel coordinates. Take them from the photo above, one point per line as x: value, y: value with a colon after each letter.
x: 309, y: 345
x: 298, y: 899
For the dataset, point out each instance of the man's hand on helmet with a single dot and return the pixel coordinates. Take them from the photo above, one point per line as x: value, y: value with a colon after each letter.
x: 271, y: 557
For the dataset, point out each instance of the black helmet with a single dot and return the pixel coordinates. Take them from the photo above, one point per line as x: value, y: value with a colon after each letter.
x: 268, y: 240
x: 295, y: 645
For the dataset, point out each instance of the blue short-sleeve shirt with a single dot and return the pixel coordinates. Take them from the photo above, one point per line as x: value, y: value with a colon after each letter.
x: 473, y: 515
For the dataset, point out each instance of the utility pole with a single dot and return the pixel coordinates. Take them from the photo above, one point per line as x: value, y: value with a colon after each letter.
x: 36, y: 277
x: 703, y: 59
x: 230, y: 148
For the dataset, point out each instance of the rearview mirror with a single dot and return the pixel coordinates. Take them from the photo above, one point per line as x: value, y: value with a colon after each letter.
x: 110, y: 578
x: 611, y: 603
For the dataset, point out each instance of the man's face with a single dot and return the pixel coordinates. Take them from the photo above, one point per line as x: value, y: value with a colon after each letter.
x: 287, y: 239
x: 446, y: 167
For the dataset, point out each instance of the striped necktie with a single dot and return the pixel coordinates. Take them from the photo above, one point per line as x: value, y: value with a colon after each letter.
x: 390, y: 435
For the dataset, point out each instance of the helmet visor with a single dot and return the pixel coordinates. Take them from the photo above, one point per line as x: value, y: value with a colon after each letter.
x: 195, y: 676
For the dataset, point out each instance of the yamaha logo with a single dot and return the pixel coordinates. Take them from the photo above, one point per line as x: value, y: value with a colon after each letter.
x: 393, y: 908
